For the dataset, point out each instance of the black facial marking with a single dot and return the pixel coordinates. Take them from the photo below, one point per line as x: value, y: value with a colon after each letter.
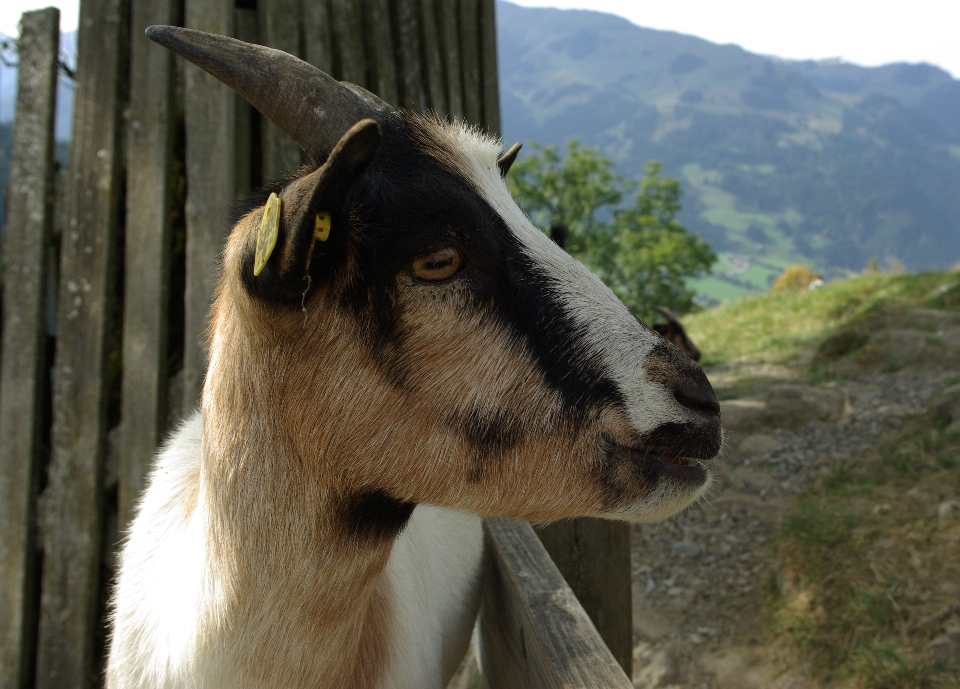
x: 375, y: 515
x: 408, y: 204
x: 535, y: 312
x: 489, y: 433
x: 695, y: 440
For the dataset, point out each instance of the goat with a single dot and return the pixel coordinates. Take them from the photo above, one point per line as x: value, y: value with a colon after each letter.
x: 410, y: 356
x: 672, y: 331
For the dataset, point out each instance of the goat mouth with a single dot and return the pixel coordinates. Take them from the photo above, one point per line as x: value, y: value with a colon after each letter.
x: 679, y: 460
x: 652, y: 465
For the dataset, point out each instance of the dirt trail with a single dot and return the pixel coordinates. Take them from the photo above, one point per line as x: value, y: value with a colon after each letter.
x: 700, y: 579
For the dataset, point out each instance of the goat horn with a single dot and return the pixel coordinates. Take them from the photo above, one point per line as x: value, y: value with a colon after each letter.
x: 308, y: 105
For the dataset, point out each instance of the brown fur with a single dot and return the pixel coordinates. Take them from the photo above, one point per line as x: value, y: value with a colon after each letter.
x: 284, y: 453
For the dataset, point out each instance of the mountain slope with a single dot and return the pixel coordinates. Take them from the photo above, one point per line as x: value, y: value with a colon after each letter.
x: 827, y: 163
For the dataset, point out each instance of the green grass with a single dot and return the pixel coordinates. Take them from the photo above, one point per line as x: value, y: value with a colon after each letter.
x: 716, y: 287
x: 860, y: 561
x: 781, y: 328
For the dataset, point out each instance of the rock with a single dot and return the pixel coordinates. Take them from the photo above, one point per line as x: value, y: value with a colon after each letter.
x: 946, y: 508
x: 660, y: 670
x: 759, y: 443
x: 895, y: 348
x: 800, y: 403
x: 686, y: 548
x: 945, y: 649
x: 743, y: 412
x: 947, y: 408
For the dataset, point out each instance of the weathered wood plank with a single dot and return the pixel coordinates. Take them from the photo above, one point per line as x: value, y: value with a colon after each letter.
x: 450, y: 48
x: 593, y: 555
x: 490, y: 84
x: 147, y: 252
x: 379, y: 24
x: 470, y: 61
x: 73, y: 501
x: 210, y: 111
x: 30, y: 201
x: 279, y: 28
x: 244, y: 176
x: 317, y: 36
x: 436, y: 88
x: 534, y: 634
x: 408, y: 44
x: 348, y: 39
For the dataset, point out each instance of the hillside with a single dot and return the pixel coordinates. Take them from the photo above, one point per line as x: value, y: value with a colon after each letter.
x: 825, y: 163
x: 827, y: 555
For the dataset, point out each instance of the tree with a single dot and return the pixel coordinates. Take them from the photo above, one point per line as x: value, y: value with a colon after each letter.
x: 640, y: 251
x: 570, y: 190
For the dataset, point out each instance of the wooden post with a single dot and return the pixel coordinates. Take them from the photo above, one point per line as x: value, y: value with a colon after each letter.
x: 490, y: 83
x: 408, y: 51
x: 317, y: 35
x: 147, y: 252
x: 348, y: 37
x: 210, y: 190
x: 73, y: 503
x: 436, y: 89
x: 594, y: 557
x: 533, y: 632
x: 450, y: 48
x: 279, y: 28
x: 245, y: 176
x: 384, y: 60
x: 27, y: 237
x: 470, y: 61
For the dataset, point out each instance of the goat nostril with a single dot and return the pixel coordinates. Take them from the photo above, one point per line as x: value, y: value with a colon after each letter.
x: 698, y: 402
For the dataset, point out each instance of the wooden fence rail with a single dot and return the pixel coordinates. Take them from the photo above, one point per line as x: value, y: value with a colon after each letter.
x: 534, y: 633
x: 159, y: 151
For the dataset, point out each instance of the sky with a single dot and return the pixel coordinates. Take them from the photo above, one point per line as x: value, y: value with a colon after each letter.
x: 866, y: 32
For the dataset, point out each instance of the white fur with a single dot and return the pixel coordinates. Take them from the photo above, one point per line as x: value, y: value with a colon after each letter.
x: 162, y: 566
x: 433, y: 570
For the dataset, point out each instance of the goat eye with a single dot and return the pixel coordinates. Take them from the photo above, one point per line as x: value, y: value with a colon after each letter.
x: 439, y: 265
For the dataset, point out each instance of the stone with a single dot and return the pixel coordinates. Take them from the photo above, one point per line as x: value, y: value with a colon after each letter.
x: 743, y: 412
x: 945, y: 649
x: 660, y: 670
x: 947, y: 408
x: 802, y: 403
x: 946, y: 508
x: 686, y: 548
x: 759, y: 443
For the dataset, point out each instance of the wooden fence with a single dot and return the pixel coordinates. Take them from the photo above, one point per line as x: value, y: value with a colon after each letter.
x: 106, y: 294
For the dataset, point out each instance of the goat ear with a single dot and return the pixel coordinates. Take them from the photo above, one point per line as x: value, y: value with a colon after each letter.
x: 310, y: 230
x: 506, y: 160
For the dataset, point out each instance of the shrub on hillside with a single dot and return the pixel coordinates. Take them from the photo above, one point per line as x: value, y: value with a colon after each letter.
x: 796, y: 278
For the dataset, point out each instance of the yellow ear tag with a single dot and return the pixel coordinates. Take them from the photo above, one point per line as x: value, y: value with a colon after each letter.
x: 321, y: 226
x: 267, y: 236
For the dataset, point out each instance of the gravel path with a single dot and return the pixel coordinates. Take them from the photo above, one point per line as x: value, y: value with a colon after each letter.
x: 701, y: 577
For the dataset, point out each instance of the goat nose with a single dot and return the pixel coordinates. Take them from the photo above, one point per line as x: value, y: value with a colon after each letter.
x: 698, y: 397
